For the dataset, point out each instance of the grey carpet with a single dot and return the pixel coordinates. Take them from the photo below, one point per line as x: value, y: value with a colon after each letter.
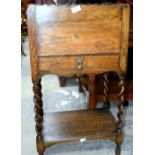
x: 60, y: 99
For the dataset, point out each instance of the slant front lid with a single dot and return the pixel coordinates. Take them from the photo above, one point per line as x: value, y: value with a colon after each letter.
x: 95, y: 29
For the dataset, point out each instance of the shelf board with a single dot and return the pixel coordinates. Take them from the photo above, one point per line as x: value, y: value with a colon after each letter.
x: 60, y: 127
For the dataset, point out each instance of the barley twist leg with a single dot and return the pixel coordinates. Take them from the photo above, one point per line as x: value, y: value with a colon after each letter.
x: 38, y: 115
x: 106, y: 91
x: 120, y: 115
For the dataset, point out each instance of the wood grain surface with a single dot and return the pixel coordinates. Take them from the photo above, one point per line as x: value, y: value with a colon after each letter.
x: 68, y: 65
x: 60, y: 32
x: 95, y: 30
x: 59, y: 127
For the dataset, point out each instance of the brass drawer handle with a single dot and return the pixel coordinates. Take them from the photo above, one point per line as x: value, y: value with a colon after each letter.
x: 80, y: 63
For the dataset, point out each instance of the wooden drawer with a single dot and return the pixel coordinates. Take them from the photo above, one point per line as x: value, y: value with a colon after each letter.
x: 70, y: 65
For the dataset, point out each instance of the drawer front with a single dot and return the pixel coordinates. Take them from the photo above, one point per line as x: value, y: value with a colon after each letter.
x: 70, y: 65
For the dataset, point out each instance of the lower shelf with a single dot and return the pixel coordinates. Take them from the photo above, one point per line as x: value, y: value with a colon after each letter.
x: 81, y: 125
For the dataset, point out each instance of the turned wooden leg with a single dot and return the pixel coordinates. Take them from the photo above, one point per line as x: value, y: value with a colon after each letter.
x: 41, y: 153
x: 80, y: 86
x: 106, y: 91
x: 120, y: 116
x: 38, y: 115
x: 62, y: 81
x: 92, y: 93
x: 118, y: 149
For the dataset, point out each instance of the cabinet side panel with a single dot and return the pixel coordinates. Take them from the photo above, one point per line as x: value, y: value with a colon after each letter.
x: 125, y: 38
x: 32, y: 40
